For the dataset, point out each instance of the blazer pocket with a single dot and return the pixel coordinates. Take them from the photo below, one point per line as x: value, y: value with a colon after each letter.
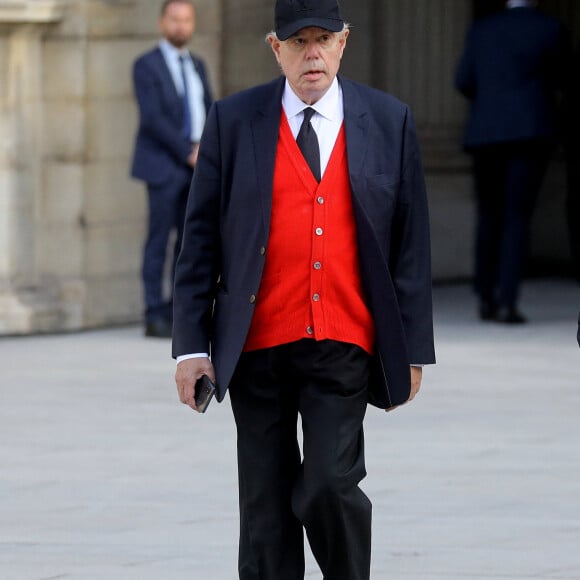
x: 382, y: 183
x: 381, y: 191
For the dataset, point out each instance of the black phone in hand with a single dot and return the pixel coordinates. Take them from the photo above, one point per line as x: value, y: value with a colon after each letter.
x: 204, y: 391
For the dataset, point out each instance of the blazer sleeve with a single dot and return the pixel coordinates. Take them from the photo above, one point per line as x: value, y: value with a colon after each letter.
x: 410, y: 258
x: 153, y: 117
x: 199, y: 265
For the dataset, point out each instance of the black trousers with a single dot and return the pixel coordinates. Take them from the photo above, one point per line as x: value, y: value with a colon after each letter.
x: 508, y: 177
x: 280, y: 493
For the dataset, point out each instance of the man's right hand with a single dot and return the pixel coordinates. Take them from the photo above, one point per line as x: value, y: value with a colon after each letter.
x: 187, y: 373
x: 192, y: 159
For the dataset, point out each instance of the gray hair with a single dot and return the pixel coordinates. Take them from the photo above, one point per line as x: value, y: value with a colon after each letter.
x: 272, y: 34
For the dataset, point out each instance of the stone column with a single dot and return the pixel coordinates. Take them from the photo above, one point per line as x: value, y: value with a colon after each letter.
x: 247, y: 59
x: 23, y: 304
x: 416, y: 46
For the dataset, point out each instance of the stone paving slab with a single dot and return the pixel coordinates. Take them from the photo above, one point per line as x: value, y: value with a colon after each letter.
x: 105, y: 476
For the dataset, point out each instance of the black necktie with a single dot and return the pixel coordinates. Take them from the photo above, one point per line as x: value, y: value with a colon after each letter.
x: 185, y: 99
x: 308, y: 143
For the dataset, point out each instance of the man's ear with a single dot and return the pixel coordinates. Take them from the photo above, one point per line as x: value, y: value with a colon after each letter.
x: 275, y: 46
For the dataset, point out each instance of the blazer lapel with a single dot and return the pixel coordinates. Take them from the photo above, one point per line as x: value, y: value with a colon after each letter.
x: 166, y: 78
x: 356, y: 122
x: 265, y: 128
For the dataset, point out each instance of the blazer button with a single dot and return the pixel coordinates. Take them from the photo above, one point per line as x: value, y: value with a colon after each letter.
x: 262, y: 250
x: 252, y: 298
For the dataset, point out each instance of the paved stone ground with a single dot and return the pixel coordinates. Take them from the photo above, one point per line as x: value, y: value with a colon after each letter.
x: 104, y: 476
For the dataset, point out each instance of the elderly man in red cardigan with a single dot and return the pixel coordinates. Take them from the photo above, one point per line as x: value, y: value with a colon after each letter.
x: 304, y: 287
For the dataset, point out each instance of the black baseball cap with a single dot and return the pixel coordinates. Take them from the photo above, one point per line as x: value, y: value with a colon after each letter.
x: 293, y: 15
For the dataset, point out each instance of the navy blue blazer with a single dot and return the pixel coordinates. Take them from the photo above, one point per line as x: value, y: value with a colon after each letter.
x: 228, y: 220
x: 511, y: 66
x: 160, y: 146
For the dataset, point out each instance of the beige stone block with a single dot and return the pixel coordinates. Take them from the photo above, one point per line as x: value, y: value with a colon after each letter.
x: 7, y: 186
x: 74, y: 24
x: 64, y: 130
x: 62, y: 195
x: 4, y: 60
x: 111, y: 125
x: 208, y: 17
x: 73, y: 296
x: 29, y: 312
x: 208, y: 47
x: 121, y: 18
x: 110, y: 20
x: 60, y: 250
x: 113, y: 299
x: 113, y: 249
x: 111, y: 195
x: 248, y: 61
x: 64, y: 68
x: 254, y: 16
x: 109, y: 67
x: 22, y: 236
x: 452, y: 211
x: 5, y: 220
x: 145, y: 17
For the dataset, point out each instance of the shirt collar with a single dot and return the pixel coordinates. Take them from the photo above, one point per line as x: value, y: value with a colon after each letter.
x: 169, y: 50
x: 329, y: 106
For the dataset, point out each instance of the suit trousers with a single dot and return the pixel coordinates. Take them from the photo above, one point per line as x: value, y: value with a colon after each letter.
x: 167, y: 205
x: 508, y: 177
x: 282, y: 491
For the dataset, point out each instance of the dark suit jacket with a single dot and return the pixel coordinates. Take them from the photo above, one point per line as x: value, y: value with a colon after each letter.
x: 228, y: 220
x: 160, y: 147
x: 512, y: 64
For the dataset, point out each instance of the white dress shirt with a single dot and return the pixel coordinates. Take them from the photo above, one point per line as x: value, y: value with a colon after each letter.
x: 326, y: 122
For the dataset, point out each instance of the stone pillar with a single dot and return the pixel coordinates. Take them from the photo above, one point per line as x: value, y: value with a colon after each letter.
x: 416, y: 46
x: 247, y: 59
x: 24, y: 304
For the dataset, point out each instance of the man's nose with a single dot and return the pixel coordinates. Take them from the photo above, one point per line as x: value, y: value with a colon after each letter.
x: 312, y: 50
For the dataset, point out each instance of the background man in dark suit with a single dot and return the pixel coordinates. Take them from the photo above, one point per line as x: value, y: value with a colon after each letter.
x: 512, y: 64
x: 305, y: 271
x: 174, y: 96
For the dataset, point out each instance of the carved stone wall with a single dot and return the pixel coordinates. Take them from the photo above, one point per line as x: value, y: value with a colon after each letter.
x: 24, y: 303
x: 72, y: 222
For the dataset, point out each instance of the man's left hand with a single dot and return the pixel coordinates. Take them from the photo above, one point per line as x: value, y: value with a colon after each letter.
x: 416, y: 376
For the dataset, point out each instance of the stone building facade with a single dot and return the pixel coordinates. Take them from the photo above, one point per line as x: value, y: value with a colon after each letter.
x: 72, y: 222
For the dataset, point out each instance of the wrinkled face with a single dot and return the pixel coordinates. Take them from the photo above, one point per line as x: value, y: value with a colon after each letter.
x: 178, y: 23
x: 310, y: 60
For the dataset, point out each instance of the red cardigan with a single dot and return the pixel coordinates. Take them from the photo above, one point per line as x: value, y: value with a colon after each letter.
x: 311, y: 285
